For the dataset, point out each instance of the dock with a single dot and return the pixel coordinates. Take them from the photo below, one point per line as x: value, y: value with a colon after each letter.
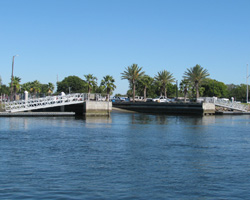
x: 173, y: 108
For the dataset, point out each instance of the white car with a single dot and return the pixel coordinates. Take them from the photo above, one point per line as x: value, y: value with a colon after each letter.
x: 160, y: 99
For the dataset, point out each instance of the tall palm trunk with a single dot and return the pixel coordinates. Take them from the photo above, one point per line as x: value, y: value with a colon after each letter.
x: 145, y: 93
x: 197, y: 91
x: 89, y: 90
x: 185, y: 94
x: 108, y: 91
x: 133, y: 92
x: 165, y: 90
x: 14, y: 92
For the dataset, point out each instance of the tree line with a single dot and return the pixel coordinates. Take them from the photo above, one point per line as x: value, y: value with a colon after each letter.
x: 70, y: 84
x: 34, y: 88
x: 195, y: 83
x: 74, y: 84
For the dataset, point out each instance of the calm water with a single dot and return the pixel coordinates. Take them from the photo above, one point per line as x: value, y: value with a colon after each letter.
x: 127, y: 156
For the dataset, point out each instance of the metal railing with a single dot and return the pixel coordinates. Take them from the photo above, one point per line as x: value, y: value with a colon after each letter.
x: 50, y: 101
x: 227, y: 104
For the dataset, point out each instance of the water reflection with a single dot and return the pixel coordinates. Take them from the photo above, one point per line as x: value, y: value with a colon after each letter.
x: 168, y: 119
x: 25, y: 123
x: 142, y: 119
x: 96, y: 121
x: 193, y: 122
x: 139, y: 156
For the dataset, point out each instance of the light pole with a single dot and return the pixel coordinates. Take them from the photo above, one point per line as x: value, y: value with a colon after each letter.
x: 247, y: 82
x: 176, y: 90
x: 12, y: 78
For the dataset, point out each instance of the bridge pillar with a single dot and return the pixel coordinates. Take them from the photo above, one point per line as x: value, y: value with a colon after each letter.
x: 208, y: 108
x: 62, y: 108
x: 26, y: 95
x: 94, y: 108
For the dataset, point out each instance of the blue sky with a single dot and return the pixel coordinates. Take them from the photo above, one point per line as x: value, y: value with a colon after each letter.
x: 102, y: 37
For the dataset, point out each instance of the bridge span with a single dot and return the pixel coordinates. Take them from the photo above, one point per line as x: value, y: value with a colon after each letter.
x: 232, y: 105
x: 77, y: 102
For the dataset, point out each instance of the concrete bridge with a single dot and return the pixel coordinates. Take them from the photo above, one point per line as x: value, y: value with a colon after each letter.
x: 80, y: 103
x: 95, y: 104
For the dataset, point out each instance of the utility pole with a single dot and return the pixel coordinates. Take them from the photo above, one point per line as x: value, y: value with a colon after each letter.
x: 176, y: 90
x: 247, y: 83
x: 12, y: 78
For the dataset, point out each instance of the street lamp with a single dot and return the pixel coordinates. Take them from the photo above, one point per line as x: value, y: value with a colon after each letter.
x: 12, y: 78
x: 247, y: 82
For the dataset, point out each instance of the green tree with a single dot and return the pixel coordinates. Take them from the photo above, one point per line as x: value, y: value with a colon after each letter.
x: 133, y: 73
x: 143, y: 84
x: 237, y: 91
x: 4, y: 90
x: 16, y: 85
x: 76, y: 85
x: 163, y: 78
x: 91, y: 82
x: 108, y: 85
x: 35, y: 87
x: 196, y: 75
x: 185, y: 88
x: 44, y: 89
x: 214, y: 88
x: 50, y: 88
x: 26, y: 87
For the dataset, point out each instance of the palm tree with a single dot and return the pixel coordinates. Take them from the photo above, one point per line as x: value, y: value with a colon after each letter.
x: 146, y: 81
x: 164, y: 77
x: 35, y: 87
x: 133, y: 73
x: 184, y: 87
x: 91, y: 82
x: 50, y: 87
x: 108, y: 84
x: 16, y: 85
x: 26, y: 87
x: 195, y: 75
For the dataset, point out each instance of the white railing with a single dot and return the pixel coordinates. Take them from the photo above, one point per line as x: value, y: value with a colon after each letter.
x: 227, y: 104
x: 50, y: 101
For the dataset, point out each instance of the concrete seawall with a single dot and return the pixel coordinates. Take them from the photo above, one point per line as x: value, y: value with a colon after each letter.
x: 168, y: 108
x: 94, y: 108
x: 89, y: 108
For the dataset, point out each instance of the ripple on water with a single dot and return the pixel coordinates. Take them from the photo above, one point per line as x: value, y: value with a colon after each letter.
x: 127, y: 156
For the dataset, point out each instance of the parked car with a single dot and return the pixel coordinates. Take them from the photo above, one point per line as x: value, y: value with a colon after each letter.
x: 161, y: 99
x: 138, y: 98
x: 172, y: 100
x: 118, y: 99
